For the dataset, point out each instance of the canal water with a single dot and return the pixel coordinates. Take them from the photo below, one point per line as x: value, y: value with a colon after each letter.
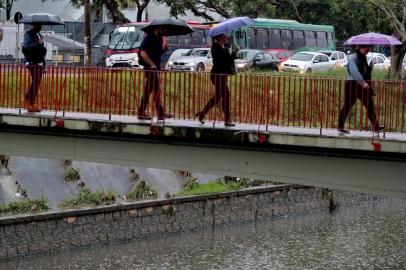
x: 370, y: 236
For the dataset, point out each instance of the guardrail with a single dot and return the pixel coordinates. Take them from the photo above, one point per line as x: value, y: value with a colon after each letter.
x: 260, y: 99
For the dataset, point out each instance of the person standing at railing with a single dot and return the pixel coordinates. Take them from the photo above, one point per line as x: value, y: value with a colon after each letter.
x: 358, y: 86
x: 223, y: 65
x: 34, y: 52
x: 151, y: 51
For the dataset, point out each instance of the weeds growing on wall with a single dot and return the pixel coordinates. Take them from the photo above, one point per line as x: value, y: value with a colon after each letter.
x: 26, y: 205
x: 86, y: 197
x: 141, y: 191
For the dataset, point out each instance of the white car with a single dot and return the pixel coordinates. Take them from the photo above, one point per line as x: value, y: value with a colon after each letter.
x: 307, y: 62
x: 380, y: 61
x: 176, y: 54
x: 338, y: 58
x: 123, y: 60
x: 198, y: 59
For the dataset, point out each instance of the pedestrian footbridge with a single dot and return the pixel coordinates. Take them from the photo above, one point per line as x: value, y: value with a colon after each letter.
x: 285, y: 128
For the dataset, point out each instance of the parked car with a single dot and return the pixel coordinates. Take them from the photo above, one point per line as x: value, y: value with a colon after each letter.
x: 338, y: 58
x: 307, y: 62
x: 249, y: 59
x: 380, y: 61
x: 176, y: 54
x: 282, y: 55
x: 198, y: 59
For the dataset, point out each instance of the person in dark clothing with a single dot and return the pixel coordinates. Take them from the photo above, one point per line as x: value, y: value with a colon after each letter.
x: 223, y: 65
x: 151, y: 50
x: 34, y: 52
x: 358, y: 86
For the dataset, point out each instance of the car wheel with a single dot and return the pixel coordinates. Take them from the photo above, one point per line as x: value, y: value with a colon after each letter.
x: 309, y: 70
x: 200, y: 67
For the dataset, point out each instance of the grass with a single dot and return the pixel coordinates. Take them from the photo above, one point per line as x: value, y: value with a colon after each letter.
x: 86, y: 197
x: 141, y: 191
x: 209, y: 188
x: 71, y: 174
x: 25, y: 205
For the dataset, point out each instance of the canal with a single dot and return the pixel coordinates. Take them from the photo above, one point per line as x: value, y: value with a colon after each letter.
x: 369, y: 236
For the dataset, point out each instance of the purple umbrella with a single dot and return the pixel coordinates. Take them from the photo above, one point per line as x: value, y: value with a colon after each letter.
x: 229, y: 25
x: 372, y: 39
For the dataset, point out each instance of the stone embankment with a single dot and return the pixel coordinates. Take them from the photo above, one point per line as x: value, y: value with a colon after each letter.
x: 63, y: 230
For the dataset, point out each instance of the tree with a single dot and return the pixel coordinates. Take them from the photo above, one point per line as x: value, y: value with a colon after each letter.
x: 395, y: 11
x: 8, y: 4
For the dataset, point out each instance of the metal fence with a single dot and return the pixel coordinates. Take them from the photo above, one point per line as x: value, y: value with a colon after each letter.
x: 259, y: 99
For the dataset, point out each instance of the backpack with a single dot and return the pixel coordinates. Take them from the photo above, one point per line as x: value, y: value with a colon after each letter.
x: 35, y: 54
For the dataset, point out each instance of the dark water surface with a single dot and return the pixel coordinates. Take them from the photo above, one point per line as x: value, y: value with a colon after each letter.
x: 371, y: 236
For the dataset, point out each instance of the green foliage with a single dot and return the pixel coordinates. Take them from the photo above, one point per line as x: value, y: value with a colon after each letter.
x: 208, y: 188
x: 71, y: 174
x: 86, y: 197
x: 141, y: 191
x: 25, y: 205
x: 190, y: 183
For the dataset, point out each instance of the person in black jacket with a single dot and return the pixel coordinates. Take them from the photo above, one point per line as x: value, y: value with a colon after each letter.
x: 223, y: 65
x: 358, y: 86
x: 34, y: 52
x: 151, y: 50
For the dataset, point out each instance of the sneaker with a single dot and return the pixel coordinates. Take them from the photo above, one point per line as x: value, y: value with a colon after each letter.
x: 31, y: 109
x: 229, y: 124
x: 164, y: 116
x: 200, y: 116
x: 144, y: 117
x: 379, y: 128
x: 344, y: 131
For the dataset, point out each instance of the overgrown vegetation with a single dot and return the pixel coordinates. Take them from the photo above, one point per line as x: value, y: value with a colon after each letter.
x: 141, y: 191
x: 71, y: 174
x: 222, y: 185
x: 86, y: 197
x: 26, y: 205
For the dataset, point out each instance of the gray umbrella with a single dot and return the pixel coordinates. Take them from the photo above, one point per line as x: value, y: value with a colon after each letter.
x: 174, y: 27
x: 44, y: 18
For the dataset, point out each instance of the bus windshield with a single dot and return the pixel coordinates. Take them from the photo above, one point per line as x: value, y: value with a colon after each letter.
x: 126, y: 38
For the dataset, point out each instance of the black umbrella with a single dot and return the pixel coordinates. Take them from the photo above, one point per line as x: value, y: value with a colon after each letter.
x: 173, y: 27
x: 43, y: 18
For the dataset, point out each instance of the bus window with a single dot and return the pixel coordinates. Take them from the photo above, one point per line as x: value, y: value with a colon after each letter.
x: 240, y: 39
x: 287, y: 40
x: 298, y: 39
x: 262, y: 38
x: 198, y: 37
x: 330, y: 39
x: 321, y: 39
x: 310, y: 38
x: 172, y: 40
x: 252, y: 44
x: 184, y: 39
x: 275, y: 38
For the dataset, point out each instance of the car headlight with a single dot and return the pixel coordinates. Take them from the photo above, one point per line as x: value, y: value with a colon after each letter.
x: 108, y: 60
x: 189, y: 64
x: 240, y: 65
x: 170, y: 62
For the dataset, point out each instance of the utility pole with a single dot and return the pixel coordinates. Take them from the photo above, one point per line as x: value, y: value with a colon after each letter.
x: 88, y: 40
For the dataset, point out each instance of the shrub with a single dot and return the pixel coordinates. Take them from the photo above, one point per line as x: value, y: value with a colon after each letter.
x: 86, y: 197
x: 25, y: 205
x: 142, y: 190
x: 190, y: 183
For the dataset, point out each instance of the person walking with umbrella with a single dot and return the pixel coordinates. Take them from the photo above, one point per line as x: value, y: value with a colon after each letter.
x: 223, y: 65
x: 358, y: 84
x: 223, y: 54
x: 151, y: 50
x: 34, y: 52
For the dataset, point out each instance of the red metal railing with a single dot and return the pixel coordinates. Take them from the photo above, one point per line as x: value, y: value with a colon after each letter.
x: 259, y: 99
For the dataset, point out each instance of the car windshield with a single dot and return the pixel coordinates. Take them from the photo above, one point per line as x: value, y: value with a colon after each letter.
x: 302, y: 57
x: 246, y: 55
x: 197, y: 52
x: 125, y: 38
x: 328, y: 53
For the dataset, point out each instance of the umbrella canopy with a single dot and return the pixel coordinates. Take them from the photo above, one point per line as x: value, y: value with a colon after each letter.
x: 173, y: 27
x: 44, y: 18
x: 372, y: 39
x: 229, y: 25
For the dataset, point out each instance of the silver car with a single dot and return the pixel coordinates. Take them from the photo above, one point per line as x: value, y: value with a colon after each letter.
x: 198, y: 59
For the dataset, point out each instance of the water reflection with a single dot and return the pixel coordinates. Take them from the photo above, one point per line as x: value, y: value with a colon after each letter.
x: 364, y: 237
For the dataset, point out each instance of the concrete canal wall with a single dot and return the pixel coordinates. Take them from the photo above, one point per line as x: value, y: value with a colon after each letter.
x: 26, y: 235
